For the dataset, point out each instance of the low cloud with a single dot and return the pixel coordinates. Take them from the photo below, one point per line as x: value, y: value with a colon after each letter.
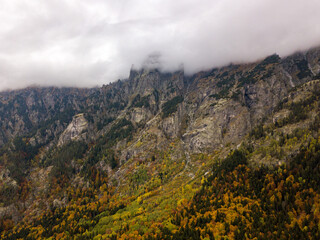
x: 88, y: 43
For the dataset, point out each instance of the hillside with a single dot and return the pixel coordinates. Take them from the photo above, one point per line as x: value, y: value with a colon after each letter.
x: 224, y: 152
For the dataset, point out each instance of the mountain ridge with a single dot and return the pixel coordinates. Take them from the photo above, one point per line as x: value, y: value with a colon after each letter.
x: 151, y: 133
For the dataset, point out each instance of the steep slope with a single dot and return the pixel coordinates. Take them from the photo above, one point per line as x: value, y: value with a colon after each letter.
x: 26, y: 110
x: 129, y: 153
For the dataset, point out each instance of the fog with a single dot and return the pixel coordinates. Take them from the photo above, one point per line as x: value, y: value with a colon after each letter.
x: 90, y: 43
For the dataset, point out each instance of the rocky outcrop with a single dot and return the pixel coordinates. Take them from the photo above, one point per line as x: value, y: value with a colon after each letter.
x: 75, y: 130
x: 215, y: 125
x: 31, y: 110
x: 138, y: 115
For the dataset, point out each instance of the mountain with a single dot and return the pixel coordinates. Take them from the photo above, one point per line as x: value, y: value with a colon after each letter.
x: 165, y: 155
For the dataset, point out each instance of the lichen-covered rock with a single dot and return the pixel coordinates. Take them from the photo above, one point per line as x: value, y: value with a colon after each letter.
x: 75, y: 130
x: 138, y: 115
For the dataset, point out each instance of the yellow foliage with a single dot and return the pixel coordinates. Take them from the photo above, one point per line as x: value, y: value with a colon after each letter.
x: 139, y: 200
x: 289, y: 179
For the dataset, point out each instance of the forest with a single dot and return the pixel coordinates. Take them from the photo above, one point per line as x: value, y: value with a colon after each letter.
x: 235, y: 202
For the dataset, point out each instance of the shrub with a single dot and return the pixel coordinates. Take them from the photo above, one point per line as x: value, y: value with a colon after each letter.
x: 171, y: 106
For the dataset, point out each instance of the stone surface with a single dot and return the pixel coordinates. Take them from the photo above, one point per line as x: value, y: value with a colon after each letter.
x: 75, y: 130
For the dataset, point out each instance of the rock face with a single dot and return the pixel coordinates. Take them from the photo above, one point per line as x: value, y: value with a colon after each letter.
x: 75, y: 130
x: 207, y: 110
x: 43, y: 109
x: 146, y: 80
x: 219, y: 106
x: 221, y: 123
x: 138, y: 115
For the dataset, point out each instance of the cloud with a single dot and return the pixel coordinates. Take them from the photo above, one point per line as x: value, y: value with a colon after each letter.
x: 88, y: 43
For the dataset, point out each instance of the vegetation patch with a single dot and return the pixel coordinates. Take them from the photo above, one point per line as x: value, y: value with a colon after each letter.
x: 242, y: 202
x: 170, y: 106
x: 140, y: 102
x: 304, y: 69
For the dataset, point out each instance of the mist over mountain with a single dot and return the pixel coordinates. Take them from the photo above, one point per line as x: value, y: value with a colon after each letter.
x: 226, y: 153
x: 159, y: 120
x: 77, y: 43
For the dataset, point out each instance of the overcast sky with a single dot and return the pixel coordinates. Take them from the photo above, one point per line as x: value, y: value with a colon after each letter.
x: 86, y: 43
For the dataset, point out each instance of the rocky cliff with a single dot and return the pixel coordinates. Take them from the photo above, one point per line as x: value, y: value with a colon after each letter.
x: 219, y: 105
x: 75, y: 130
